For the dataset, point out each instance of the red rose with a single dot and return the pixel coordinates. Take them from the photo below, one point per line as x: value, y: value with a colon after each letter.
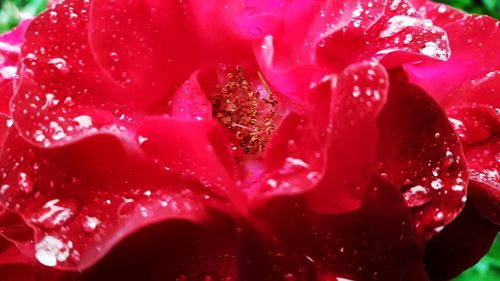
x: 249, y: 140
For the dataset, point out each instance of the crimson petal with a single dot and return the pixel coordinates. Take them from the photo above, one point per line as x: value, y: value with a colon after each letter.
x: 62, y: 95
x: 356, y: 101
x: 123, y: 192
x: 396, y: 33
x: 371, y: 243
x: 472, y: 32
x: 293, y: 163
x: 485, y: 170
x: 442, y: 14
x: 196, y: 148
x: 420, y: 153
x: 460, y: 245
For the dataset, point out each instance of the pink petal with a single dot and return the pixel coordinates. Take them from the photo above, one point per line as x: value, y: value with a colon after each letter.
x: 474, y: 123
x: 62, y: 95
x: 190, y: 100
x: 287, y: 53
x: 293, y: 163
x: 356, y: 101
x: 17, y: 272
x: 460, y: 245
x: 420, y: 154
x: 442, y: 14
x: 9, y: 254
x: 396, y: 34
x: 484, y: 168
x: 372, y: 242
x: 174, y: 250
x: 197, y: 149
x: 153, y: 46
x: 123, y: 192
x: 486, y: 199
x: 480, y: 33
x: 483, y: 90
x: 10, y: 47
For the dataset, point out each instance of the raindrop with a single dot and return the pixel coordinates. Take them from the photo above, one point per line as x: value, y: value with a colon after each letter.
x: 439, y: 216
x: 114, y: 57
x: 60, y: 64
x: 292, y: 166
x: 83, y: 121
x: 25, y: 183
x: 90, y: 224
x: 448, y: 160
x: 55, y: 213
x: 50, y: 251
x: 416, y: 196
x: 437, y: 184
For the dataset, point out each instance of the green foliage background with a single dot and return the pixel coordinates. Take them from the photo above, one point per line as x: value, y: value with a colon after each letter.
x: 488, y: 269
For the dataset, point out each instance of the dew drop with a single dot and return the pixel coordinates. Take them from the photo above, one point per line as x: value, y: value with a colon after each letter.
x: 55, y: 213
x: 292, y: 166
x: 439, y: 216
x: 416, y: 196
x: 114, y: 57
x: 437, y: 184
x: 50, y: 251
x: 83, y: 121
x: 90, y: 224
x: 60, y: 64
x: 25, y: 183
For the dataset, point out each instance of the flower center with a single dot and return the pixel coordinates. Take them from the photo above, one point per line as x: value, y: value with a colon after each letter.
x: 246, y: 109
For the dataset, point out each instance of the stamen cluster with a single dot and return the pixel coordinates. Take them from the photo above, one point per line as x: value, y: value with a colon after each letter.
x: 245, y: 110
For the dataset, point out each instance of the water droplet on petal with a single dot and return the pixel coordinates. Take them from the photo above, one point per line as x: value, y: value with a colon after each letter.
x: 90, y: 224
x: 55, y: 213
x: 50, y: 251
x: 293, y: 165
x: 416, y: 196
x: 25, y: 183
x: 114, y: 57
x: 60, y: 64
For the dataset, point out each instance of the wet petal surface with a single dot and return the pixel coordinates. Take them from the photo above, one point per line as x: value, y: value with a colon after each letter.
x: 356, y: 101
x: 419, y: 153
x: 472, y: 32
x: 62, y: 95
x: 371, y: 243
x: 82, y: 199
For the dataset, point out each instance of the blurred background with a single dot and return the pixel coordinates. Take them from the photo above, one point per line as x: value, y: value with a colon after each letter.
x: 488, y: 269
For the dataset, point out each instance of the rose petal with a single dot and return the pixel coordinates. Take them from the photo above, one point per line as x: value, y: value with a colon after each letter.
x: 483, y: 90
x: 287, y: 53
x: 372, y: 242
x: 396, y: 35
x: 460, y: 245
x: 420, y: 154
x: 484, y: 167
x: 10, y: 47
x: 153, y: 46
x: 480, y: 33
x: 5, y: 124
x: 293, y: 163
x: 442, y: 14
x: 195, y: 148
x: 486, y: 199
x: 17, y: 272
x: 174, y: 250
x: 474, y: 123
x: 123, y: 192
x: 356, y: 101
x: 190, y: 99
x: 62, y: 95
x: 9, y: 254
